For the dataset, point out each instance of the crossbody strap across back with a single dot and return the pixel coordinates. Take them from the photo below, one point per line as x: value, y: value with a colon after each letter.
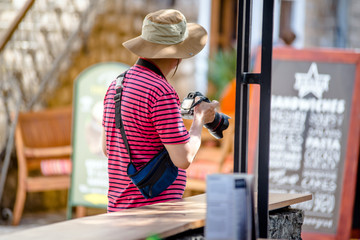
x: 118, y: 119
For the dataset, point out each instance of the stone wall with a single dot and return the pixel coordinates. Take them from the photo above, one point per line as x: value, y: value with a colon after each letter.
x: 285, y: 223
x: 321, y: 24
x: 353, y: 24
x: 117, y: 22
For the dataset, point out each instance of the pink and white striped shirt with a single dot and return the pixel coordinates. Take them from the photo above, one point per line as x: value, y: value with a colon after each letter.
x: 151, y: 117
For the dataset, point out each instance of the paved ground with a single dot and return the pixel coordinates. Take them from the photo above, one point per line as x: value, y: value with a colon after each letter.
x: 30, y: 220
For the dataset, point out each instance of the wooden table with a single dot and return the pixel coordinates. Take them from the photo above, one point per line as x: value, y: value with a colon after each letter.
x: 163, y: 219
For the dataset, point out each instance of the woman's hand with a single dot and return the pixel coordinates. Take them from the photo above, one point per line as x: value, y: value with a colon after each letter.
x: 205, y: 112
x: 182, y: 155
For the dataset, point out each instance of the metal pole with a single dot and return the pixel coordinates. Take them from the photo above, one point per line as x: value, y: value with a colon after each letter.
x: 243, y: 78
x: 242, y: 96
x: 264, y: 121
x: 238, y: 102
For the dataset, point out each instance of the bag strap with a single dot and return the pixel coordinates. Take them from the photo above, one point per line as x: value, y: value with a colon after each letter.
x: 118, y: 119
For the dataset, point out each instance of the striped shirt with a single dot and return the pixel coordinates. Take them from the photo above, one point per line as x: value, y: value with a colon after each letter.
x: 151, y: 118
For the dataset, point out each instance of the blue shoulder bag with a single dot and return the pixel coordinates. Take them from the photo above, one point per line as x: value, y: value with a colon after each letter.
x: 156, y: 175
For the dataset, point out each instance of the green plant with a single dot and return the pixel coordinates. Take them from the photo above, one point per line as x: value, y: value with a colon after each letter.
x: 222, y: 69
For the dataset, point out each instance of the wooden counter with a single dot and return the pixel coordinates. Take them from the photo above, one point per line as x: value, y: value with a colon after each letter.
x: 164, y: 219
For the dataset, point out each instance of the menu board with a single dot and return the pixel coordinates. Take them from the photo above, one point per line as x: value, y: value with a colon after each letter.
x: 89, y: 183
x: 314, y: 135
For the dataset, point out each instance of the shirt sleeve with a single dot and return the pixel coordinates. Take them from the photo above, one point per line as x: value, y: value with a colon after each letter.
x: 167, y: 120
x: 108, y: 104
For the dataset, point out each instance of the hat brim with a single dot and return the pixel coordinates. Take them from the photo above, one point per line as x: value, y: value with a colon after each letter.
x: 191, y: 46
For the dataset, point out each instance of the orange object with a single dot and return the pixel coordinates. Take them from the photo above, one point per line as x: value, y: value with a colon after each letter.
x: 227, y: 105
x: 228, y: 98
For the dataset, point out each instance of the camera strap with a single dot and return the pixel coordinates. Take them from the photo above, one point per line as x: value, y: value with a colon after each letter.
x: 117, y: 98
x: 143, y: 62
x: 118, y: 119
x: 202, y: 98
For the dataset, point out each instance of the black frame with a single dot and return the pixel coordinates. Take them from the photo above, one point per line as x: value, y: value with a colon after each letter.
x: 243, y: 79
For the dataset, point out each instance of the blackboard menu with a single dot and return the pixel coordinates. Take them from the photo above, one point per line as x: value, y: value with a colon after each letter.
x: 309, y: 124
x: 314, y: 135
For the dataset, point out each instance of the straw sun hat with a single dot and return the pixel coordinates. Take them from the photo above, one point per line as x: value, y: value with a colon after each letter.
x: 166, y: 34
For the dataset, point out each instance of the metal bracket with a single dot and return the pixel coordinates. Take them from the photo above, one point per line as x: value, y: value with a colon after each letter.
x: 251, y: 78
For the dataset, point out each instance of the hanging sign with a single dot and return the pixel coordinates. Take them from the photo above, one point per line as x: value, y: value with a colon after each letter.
x: 89, y: 184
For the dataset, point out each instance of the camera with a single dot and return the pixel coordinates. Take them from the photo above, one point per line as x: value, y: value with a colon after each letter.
x: 216, y: 127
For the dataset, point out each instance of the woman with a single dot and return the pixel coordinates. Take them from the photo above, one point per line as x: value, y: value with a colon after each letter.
x: 150, y: 109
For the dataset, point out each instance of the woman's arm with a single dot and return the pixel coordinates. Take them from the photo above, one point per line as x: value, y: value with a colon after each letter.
x: 103, y: 142
x: 182, y: 155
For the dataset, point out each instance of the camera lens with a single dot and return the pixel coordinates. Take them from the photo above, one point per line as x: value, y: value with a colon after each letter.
x: 220, y: 123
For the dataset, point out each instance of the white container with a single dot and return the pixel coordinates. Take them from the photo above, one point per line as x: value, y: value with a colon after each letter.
x: 230, y: 207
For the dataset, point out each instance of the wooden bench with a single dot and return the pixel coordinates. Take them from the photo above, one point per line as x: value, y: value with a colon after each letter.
x: 43, y: 148
x: 161, y: 219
